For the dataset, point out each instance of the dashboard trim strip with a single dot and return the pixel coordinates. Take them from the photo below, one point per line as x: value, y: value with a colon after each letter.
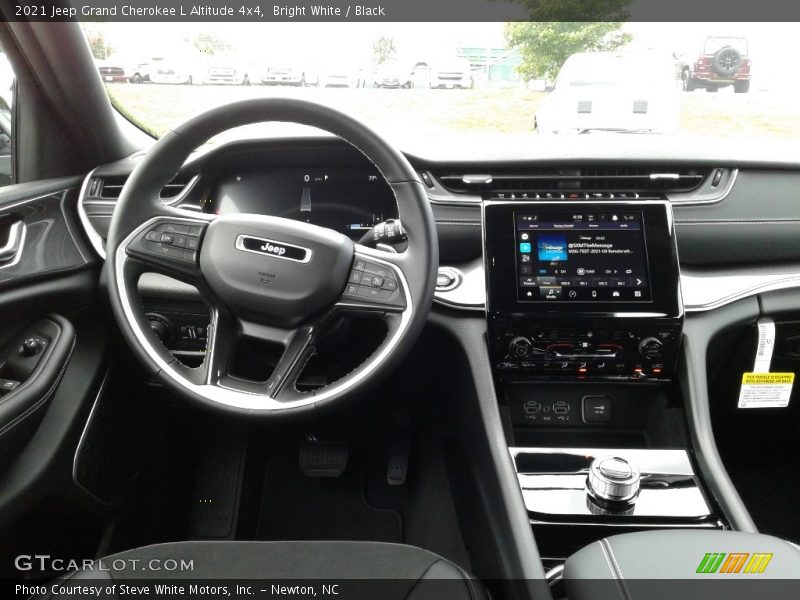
x: 94, y: 238
x: 701, y: 293
x: 698, y: 198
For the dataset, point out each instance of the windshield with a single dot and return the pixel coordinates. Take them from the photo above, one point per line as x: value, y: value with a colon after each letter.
x: 424, y: 80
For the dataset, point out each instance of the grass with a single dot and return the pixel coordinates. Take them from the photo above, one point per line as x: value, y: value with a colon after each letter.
x: 740, y: 115
x: 157, y: 108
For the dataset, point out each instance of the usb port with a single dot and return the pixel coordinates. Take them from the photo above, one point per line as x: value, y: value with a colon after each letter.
x: 561, y: 407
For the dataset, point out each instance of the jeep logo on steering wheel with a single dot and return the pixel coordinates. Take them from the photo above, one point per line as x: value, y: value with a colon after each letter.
x: 272, y: 248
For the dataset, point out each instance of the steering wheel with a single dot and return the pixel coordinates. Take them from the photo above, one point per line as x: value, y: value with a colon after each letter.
x: 265, y: 277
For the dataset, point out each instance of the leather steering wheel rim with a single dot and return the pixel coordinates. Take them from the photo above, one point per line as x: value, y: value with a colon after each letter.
x: 140, y: 211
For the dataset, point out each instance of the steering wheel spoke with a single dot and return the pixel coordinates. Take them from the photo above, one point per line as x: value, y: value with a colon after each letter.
x: 300, y: 347
x: 225, y: 332
x: 221, y: 340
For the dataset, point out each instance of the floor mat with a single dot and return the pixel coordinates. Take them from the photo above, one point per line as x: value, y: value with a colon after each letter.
x: 296, y: 507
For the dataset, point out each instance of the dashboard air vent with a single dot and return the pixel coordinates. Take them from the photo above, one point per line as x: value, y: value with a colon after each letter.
x: 642, y: 180
x: 109, y: 188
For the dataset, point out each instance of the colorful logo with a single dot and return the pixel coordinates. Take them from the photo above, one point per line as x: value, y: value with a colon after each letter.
x: 734, y: 562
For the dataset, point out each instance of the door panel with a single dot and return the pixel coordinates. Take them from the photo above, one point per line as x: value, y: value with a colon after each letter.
x: 39, y: 235
x: 54, y: 340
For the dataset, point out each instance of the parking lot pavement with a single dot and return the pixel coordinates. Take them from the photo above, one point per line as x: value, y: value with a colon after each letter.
x: 160, y: 107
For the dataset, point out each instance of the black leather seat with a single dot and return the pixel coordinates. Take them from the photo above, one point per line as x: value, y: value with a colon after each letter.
x: 401, y: 572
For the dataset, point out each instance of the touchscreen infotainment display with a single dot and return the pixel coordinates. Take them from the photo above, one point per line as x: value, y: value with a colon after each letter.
x: 581, y: 256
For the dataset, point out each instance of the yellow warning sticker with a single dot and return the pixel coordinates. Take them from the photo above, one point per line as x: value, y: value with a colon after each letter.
x: 768, y: 378
x: 766, y: 390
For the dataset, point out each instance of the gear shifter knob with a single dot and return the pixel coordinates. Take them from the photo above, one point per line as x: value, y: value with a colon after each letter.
x: 613, y: 479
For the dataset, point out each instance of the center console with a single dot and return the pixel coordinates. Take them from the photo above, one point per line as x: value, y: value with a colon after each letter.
x: 585, y: 322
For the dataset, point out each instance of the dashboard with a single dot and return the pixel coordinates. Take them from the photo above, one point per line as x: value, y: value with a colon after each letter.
x: 735, y: 220
x: 348, y: 200
x: 675, y: 230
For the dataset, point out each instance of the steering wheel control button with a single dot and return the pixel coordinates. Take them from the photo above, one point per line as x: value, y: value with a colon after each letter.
x: 374, y: 269
x: 613, y: 479
x: 171, y: 241
x: 375, y: 283
x: 174, y: 228
x: 597, y: 409
x: 374, y: 293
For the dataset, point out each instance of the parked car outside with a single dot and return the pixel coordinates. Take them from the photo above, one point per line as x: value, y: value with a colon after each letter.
x: 282, y: 75
x: 340, y: 74
x: 450, y: 74
x: 177, y: 68
x: 611, y: 91
x: 112, y: 70
x: 139, y: 71
x: 392, y: 75
x: 723, y: 61
x: 227, y: 69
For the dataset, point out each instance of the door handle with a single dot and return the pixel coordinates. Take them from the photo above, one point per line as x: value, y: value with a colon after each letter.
x: 11, y: 250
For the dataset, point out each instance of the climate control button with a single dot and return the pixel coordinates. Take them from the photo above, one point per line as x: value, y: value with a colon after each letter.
x: 520, y: 347
x: 651, y: 348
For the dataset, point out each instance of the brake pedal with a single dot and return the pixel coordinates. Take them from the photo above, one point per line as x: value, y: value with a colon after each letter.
x: 323, y: 459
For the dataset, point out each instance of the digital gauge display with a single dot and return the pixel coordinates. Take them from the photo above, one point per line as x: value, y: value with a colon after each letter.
x: 348, y: 200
